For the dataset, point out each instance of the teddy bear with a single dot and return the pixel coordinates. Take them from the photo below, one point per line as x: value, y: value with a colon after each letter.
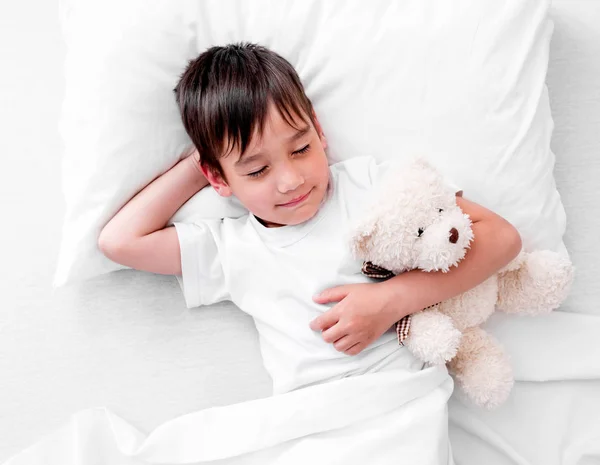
x: 414, y: 222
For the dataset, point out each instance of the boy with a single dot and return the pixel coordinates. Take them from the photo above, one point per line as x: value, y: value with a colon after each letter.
x: 259, y: 139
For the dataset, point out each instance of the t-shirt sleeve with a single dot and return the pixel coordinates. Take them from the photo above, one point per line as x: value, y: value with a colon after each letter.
x: 202, y: 279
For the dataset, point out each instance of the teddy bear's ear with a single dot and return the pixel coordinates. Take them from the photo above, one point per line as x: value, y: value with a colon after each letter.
x: 361, y: 239
x: 422, y: 164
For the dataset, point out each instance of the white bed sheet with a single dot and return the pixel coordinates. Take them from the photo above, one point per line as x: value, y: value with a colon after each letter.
x: 126, y: 341
x: 543, y: 424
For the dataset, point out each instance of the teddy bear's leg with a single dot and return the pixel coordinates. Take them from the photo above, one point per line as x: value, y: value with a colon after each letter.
x: 516, y: 262
x: 539, y: 285
x: 473, y: 307
x: 481, y: 368
x: 432, y: 337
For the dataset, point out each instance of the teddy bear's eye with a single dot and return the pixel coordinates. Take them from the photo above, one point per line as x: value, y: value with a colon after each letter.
x: 420, y: 231
x: 440, y: 210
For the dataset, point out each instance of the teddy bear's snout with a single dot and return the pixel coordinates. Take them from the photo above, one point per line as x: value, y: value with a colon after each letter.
x: 453, y: 235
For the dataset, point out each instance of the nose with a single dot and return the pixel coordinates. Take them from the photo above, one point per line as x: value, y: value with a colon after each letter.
x: 289, y: 179
x: 453, y: 235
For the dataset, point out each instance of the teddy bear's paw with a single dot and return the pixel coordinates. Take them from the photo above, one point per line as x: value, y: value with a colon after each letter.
x: 540, y: 285
x: 482, y: 369
x: 433, y: 337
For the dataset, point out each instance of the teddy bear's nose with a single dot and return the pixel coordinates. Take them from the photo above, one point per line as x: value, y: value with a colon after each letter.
x: 453, y: 235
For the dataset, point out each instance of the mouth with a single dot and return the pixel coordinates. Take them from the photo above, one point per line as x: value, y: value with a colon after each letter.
x: 296, y: 201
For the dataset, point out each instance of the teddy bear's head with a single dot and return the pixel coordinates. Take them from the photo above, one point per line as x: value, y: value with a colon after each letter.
x: 413, y: 223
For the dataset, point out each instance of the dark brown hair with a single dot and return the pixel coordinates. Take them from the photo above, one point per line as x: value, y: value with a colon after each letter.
x: 223, y: 97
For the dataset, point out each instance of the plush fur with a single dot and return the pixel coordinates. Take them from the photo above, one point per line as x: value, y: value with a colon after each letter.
x: 415, y: 223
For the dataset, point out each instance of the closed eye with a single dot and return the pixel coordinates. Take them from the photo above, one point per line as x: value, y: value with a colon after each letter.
x: 303, y: 149
x: 256, y: 174
x: 260, y: 172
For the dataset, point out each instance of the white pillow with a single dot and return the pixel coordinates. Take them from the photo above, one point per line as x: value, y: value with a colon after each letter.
x: 462, y: 83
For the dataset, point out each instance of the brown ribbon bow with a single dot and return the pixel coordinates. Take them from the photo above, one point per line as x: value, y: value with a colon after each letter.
x: 377, y: 272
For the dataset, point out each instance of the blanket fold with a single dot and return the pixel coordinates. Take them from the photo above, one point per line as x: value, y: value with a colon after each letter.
x: 376, y: 418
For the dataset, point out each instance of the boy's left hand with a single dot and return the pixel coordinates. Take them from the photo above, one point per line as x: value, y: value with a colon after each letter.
x: 364, y: 312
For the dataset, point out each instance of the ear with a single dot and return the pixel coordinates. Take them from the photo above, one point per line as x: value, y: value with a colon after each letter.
x: 421, y: 163
x: 319, y: 130
x: 361, y: 240
x: 426, y: 172
x: 216, y: 181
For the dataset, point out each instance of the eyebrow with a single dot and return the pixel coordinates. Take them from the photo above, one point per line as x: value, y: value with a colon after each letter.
x: 243, y: 160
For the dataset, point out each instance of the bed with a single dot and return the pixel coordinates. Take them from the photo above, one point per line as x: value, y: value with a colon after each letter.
x: 126, y: 341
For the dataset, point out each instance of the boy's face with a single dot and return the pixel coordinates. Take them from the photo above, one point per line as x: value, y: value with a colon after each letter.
x: 282, y: 178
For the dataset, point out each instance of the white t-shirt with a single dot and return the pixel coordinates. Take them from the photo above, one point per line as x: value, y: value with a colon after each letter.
x: 273, y: 273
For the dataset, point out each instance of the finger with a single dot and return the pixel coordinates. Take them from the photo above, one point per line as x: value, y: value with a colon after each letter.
x: 325, y: 321
x: 333, y: 294
x: 355, y: 349
x: 344, y: 343
x: 334, y: 333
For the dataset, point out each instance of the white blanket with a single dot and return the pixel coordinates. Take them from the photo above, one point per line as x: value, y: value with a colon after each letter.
x: 377, y: 418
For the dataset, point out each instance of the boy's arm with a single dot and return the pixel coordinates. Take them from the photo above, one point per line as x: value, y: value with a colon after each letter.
x: 496, y: 242
x: 366, y: 310
x: 136, y: 236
